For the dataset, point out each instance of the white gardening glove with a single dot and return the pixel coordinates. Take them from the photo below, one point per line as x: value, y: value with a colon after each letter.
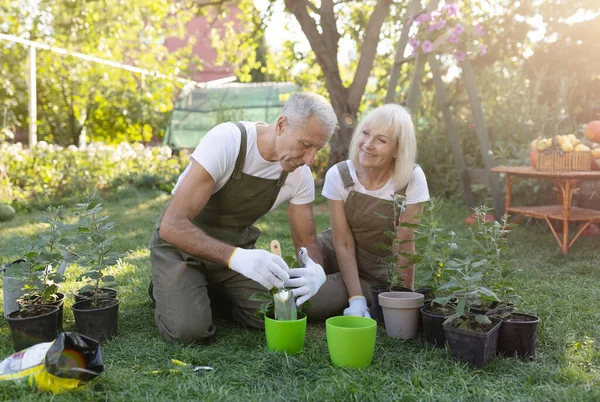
x: 261, y: 266
x: 306, y: 280
x: 358, y: 307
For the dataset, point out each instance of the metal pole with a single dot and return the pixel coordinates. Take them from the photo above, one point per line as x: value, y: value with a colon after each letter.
x: 31, y: 81
x: 25, y: 42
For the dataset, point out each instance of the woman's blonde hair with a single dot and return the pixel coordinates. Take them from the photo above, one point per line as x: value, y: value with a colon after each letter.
x: 396, y: 118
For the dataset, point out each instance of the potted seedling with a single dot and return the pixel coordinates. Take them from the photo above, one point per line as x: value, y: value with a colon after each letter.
x: 96, y: 316
x: 398, y: 306
x: 33, y: 322
x: 471, y: 337
x: 518, y: 332
x: 285, y: 325
x: 397, y: 207
x: 436, y: 246
x: 36, y: 278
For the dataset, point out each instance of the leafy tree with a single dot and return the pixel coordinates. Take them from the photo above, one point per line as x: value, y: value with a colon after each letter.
x: 360, y: 22
x: 112, y: 104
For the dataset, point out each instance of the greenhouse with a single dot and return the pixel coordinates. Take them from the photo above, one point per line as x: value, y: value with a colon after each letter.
x: 197, y: 110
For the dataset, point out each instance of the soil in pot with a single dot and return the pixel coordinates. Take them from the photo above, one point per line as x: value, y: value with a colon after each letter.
x: 105, y: 293
x: 433, y: 320
x: 376, y: 311
x: 32, y: 325
x: 59, y: 302
x: 485, y: 309
x: 427, y: 294
x: 475, y: 345
x: 100, y: 322
x: 286, y: 336
x: 518, y: 336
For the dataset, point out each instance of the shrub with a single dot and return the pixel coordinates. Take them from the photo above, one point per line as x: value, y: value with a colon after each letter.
x: 49, y: 174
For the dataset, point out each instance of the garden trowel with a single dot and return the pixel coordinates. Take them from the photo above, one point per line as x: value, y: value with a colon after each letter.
x: 285, y: 306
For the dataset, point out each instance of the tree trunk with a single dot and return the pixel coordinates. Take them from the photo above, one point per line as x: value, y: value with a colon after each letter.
x: 341, y: 140
x: 345, y: 101
x: 74, y: 136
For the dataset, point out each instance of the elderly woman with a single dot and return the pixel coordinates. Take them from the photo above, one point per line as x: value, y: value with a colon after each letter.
x: 382, y: 164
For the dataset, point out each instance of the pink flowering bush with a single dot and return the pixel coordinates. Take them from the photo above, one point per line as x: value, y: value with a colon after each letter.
x: 444, y: 31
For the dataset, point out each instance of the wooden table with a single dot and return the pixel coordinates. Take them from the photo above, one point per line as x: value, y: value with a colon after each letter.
x: 566, y: 181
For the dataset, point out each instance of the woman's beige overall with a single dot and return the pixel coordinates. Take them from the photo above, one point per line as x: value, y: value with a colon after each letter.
x: 368, y: 229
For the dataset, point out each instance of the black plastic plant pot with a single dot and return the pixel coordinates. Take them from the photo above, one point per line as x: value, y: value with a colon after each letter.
x: 433, y: 327
x: 32, y: 325
x: 106, y: 293
x: 427, y: 293
x: 518, y: 336
x: 428, y: 296
x: 376, y: 310
x: 60, y: 301
x: 476, y: 348
x: 482, y: 309
x: 100, y: 323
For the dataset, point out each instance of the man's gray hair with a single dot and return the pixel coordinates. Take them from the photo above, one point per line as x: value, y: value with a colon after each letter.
x: 303, y: 105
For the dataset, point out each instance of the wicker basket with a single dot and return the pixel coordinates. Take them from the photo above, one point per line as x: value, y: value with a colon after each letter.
x: 567, y: 161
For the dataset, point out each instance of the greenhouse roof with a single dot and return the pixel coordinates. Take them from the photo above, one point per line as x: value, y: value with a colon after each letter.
x: 197, y: 110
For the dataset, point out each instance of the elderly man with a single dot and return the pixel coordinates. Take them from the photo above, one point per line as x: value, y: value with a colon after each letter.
x: 204, y: 240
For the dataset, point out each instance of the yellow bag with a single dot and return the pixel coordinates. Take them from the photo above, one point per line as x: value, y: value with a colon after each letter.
x: 60, y: 366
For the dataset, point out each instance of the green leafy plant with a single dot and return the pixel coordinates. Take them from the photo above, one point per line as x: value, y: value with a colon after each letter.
x: 491, y: 244
x: 95, y: 248
x: 39, y: 271
x: 435, y: 245
x: 466, y: 285
x: 392, y: 262
x: 274, y: 305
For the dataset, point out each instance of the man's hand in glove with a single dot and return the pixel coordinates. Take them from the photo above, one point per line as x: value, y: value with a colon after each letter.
x: 261, y: 266
x: 306, y: 280
x: 358, y: 307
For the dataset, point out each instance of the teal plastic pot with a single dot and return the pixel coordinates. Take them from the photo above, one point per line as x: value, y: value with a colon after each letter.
x: 286, y: 336
x: 351, y: 340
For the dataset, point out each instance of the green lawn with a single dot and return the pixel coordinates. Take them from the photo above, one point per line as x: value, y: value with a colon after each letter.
x: 562, y: 290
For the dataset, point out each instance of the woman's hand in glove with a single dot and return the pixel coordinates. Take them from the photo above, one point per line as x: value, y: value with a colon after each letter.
x: 358, y: 307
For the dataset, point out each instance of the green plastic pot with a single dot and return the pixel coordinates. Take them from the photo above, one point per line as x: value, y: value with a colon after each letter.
x: 286, y: 336
x: 351, y: 340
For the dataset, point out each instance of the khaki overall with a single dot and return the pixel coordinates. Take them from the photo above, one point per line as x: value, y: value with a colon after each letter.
x: 368, y: 229
x: 183, y: 311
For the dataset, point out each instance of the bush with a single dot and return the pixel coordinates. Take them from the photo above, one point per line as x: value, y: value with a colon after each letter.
x: 47, y: 174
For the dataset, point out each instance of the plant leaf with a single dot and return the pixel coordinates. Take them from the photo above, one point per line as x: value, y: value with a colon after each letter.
x: 390, y: 234
x: 460, y: 307
x: 487, y: 292
x: 482, y: 319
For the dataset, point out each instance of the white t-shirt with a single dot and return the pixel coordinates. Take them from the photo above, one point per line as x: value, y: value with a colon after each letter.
x: 219, y: 148
x: 416, y: 190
